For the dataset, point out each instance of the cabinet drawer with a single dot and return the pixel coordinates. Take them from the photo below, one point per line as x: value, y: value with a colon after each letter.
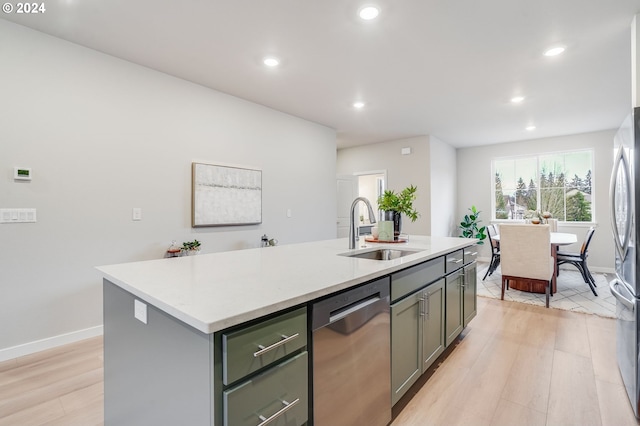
x: 279, y: 394
x: 454, y: 260
x: 470, y: 254
x: 250, y: 349
x: 411, y: 279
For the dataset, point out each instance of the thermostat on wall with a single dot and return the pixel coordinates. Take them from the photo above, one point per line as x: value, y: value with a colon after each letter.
x: 22, y: 173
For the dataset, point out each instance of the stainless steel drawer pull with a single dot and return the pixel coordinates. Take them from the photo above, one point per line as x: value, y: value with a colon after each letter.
x: 455, y: 260
x: 472, y: 254
x: 287, y: 405
x: 285, y: 339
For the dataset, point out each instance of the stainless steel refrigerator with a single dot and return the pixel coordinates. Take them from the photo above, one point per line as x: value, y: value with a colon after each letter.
x: 624, y: 199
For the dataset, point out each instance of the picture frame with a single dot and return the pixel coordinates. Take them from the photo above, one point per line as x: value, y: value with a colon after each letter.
x: 225, y: 195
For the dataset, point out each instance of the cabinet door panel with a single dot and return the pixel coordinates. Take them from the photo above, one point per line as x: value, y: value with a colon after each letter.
x: 469, y: 305
x: 453, y: 319
x: 406, y: 329
x: 433, y: 334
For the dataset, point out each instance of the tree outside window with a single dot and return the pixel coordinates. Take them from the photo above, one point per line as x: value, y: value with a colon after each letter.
x: 559, y: 183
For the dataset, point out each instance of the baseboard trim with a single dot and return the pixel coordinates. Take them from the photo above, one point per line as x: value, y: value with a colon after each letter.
x: 49, y: 343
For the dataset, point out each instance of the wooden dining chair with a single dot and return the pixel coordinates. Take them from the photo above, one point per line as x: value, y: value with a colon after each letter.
x: 495, y: 251
x: 525, y: 252
x: 579, y: 260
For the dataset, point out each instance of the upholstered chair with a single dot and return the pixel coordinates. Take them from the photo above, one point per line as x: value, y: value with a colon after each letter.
x: 525, y: 255
x: 553, y: 224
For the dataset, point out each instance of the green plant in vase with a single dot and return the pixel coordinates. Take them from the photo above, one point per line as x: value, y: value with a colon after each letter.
x: 395, y: 204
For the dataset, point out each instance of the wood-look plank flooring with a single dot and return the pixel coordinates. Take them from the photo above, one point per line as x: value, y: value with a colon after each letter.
x: 515, y: 364
x: 518, y: 364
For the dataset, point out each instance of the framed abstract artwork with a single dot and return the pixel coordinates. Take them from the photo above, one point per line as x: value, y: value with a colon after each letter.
x: 225, y: 195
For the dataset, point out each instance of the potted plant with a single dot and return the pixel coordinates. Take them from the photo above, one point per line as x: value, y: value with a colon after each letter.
x: 470, y: 228
x: 395, y: 204
x: 190, y: 248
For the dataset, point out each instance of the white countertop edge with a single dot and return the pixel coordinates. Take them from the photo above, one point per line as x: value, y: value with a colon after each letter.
x: 110, y: 272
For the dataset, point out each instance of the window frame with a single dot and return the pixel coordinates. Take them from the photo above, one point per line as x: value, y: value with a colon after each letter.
x: 537, y: 157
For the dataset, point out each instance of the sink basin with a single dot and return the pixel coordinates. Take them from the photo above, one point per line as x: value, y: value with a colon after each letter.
x: 381, y: 254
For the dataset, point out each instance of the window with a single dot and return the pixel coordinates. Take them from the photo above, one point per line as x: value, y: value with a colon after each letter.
x: 559, y: 183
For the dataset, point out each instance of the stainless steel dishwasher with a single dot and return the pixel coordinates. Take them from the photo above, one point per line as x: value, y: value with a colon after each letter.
x: 352, y: 357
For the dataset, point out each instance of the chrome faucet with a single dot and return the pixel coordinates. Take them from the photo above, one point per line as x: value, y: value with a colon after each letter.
x: 352, y: 220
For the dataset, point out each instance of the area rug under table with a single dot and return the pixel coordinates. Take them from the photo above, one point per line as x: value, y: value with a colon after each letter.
x: 573, y: 293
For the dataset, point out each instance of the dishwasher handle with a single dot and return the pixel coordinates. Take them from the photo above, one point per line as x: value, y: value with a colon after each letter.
x: 337, y: 307
x: 345, y: 311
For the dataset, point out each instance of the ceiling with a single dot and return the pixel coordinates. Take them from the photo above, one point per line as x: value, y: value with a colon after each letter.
x: 446, y: 68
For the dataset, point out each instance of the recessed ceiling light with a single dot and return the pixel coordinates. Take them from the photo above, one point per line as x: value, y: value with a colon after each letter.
x: 358, y: 104
x: 271, y: 62
x: 554, y: 51
x: 368, y: 13
x: 530, y: 128
x: 517, y: 99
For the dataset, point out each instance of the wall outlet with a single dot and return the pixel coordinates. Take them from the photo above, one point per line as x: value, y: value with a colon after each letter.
x: 136, y: 213
x: 140, y: 311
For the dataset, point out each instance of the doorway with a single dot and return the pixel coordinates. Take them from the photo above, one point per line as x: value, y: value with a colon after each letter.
x: 369, y: 184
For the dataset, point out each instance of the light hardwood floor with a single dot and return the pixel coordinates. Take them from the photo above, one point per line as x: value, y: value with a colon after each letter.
x: 515, y: 364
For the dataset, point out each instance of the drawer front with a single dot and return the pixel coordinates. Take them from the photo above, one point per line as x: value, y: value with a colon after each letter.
x: 454, y: 261
x: 411, y: 279
x: 279, y: 394
x: 470, y: 254
x: 250, y: 349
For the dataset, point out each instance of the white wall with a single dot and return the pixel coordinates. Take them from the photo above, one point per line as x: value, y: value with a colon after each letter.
x: 431, y: 167
x: 475, y: 182
x: 443, y: 188
x: 103, y: 136
x: 402, y: 171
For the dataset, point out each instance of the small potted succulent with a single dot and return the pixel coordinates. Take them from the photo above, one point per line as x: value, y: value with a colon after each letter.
x: 190, y: 248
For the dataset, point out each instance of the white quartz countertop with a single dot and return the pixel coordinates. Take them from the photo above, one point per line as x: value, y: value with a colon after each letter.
x: 211, y: 292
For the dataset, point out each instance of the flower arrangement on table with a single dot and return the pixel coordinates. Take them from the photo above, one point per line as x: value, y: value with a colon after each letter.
x: 536, y: 217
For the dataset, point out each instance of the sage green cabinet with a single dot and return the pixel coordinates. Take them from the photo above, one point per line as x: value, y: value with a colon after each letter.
x: 277, y: 397
x: 470, y: 293
x: 417, y: 336
x: 406, y: 344
x: 433, y: 343
x: 262, y: 372
x: 453, y: 317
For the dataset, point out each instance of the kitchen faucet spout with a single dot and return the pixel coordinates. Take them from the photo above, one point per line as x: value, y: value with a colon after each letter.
x: 352, y: 220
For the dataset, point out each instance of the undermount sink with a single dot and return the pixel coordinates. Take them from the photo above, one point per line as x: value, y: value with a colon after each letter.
x: 381, y: 254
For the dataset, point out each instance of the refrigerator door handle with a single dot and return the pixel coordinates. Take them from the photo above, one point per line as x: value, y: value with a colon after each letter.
x: 620, y: 165
x: 628, y: 303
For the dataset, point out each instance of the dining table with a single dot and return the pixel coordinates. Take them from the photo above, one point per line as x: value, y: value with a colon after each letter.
x: 557, y: 239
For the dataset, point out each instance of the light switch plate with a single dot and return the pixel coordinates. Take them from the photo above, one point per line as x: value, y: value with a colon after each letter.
x: 140, y: 311
x: 17, y: 215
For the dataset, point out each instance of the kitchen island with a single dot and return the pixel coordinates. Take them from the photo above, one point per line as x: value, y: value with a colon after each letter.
x: 167, y: 320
